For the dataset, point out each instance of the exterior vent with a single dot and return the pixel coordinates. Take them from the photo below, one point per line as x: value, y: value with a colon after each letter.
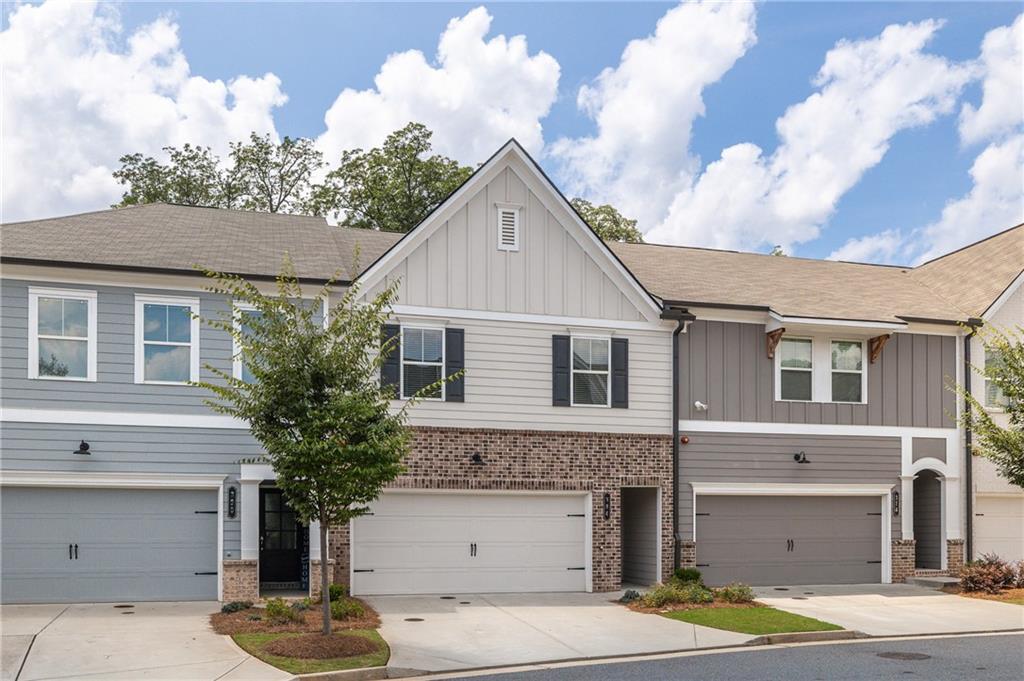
x: 508, y: 228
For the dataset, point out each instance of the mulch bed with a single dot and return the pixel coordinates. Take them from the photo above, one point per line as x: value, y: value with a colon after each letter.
x: 239, y: 622
x: 320, y: 647
x: 1004, y: 595
x: 692, y: 606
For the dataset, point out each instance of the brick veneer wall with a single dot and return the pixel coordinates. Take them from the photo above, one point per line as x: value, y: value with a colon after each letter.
x: 241, y: 580
x: 314, y: 576
x: 954, y: 556
x: 687, y: 554
x: 522, y: 460
x: 903, y: 559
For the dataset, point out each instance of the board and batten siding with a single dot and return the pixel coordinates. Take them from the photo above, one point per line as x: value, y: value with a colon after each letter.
x: 133, y: 449
x: 508, y: 382
x: 725, y: 365
x: 768, y: 458
x: 459, y: 265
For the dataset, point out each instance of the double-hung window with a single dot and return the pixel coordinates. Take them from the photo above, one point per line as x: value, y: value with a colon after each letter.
x: 166, y: 339
x: 847, y: 371
x: 995, y: 398
x: 245, y: 316
x: 422, y: 361
x: 62, y: 334
x: 796, y: 369
x: 590, y: 371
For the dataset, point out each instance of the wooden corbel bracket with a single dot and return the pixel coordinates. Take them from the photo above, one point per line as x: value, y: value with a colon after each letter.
x: 772, y: 339
x: 875, y: 346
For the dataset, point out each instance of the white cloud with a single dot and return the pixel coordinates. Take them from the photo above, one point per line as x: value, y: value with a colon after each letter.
x: 883, y: 247
x: 868, y: 91
x: 1002, y: 104
x: 78, y: 93
x: 480, y: 93
x: 645, y: 107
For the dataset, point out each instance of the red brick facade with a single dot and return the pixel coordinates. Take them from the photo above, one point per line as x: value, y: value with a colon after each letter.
x: 518, y: 460
x: 904, y: 557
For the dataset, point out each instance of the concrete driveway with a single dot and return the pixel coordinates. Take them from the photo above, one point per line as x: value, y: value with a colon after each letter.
x: 894, y: 609
x: 430, y: 633
x: 91, y: 641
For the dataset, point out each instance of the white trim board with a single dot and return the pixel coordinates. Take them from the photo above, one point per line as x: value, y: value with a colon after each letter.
x: 119, y: 418
x: 757, y: 427
x: 1003, y: 297
x: 518, y: 317
x: 110, y: 480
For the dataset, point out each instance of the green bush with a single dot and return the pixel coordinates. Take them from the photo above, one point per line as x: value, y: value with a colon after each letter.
x: 235, y: 606
x: 673, y: 594
x: 630, y: 596
x: 687, y: 575
x: 279, y: 612
x: 346, y: 608
x: 336, y: 592
x: 735, y: 593
x: 989, y: 573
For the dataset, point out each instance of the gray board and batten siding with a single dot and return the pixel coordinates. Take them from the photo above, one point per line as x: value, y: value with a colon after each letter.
x: 726, y: 366
x: 768, y: 458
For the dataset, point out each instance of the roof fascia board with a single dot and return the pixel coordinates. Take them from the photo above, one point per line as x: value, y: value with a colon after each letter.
x: 835, y: 321
x: 1007, y: 293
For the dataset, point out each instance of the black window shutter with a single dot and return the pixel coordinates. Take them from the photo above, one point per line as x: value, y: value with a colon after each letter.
x: 391, y: 369
x: 454, y: 360
x: 620, y: 372
x: 561, y: 371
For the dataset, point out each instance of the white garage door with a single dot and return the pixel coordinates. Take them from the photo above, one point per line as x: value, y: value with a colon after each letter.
x: 999, y: 526
x: 470, y: 543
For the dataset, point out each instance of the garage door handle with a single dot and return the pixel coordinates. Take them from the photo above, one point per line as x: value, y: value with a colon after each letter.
x: 70, y: 556
x: 207, y: 573
x: 76, y: 551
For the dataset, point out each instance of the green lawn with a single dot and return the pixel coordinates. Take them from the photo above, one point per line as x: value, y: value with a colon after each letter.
x: 253, y: 644
x: 755, y: 621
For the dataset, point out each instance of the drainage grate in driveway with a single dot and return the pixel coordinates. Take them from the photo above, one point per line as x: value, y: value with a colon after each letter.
x: 896, y: 655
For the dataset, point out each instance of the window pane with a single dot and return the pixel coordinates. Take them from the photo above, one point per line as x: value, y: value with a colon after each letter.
x: 154, y: 322
x: 245, y: 318
x: 63, y: 358
x: 580, y: 353
x: 846, y: 356
x: 271, y: 502
x: 179, y: 324
x: 76, y: 318
x: 590, y: 388
x: 418, y: 376
x: 412, y: 344
x: 272, y: 540
x: 994, y: 396
x: 287, y: 540
x: 599, y: 355
x: 432, y: 342
x: 796, y: 385
x: 51, y: 317
x: 167, y: 363
x: 796, y: 353
x: 846, y: 387
x: 271, y: 521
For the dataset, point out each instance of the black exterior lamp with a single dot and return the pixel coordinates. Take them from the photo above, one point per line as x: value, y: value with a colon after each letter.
x: 800, y: 457
x: 476, y: 459
x: 83, y: 449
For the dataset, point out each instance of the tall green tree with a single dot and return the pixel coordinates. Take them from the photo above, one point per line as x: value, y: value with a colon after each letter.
x: 313, y: 399
x: 608, y: 222
x: 276, y: 177
x: 389, y: 188
x: 1004, y: 379
x: 190, y: 177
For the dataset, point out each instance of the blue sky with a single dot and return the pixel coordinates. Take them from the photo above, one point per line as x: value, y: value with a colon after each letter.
x: 317, y: 50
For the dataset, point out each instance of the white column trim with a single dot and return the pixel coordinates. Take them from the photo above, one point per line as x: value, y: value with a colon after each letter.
x: 758, y: 427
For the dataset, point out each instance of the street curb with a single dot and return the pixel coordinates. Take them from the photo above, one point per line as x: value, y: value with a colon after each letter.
x: 362, y: 674
x: 806, y: 637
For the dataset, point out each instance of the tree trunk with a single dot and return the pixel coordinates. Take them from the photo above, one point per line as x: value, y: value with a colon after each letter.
x: 325, y: 579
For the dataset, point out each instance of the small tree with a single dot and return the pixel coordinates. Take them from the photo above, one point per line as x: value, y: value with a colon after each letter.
x: 314, y: 401
x: 608, y: 222
x: 1004, y: 446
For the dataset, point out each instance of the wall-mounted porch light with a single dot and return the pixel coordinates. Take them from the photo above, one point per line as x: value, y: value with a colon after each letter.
x: 83, y: 449
x: 801, y: 457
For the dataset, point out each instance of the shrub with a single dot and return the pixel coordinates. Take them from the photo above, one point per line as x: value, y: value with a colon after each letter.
x: 1018, y: 577
x: 346, y: 608
x: 989, y: 573
x: 695, y: 593
x: 337, y: 592
x: 235, y: 606
x: 630, y: 596
x: 301, y: 606
x: 280, y: 612
x: 735, y: 593
x: 687, y: 575
x: 673, y: 593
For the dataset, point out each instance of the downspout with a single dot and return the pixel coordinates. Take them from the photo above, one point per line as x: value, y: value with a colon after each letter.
x: 973, y: 325
x: 682, y: 318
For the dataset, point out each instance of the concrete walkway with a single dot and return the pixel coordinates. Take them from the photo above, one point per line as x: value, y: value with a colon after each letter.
x: 94, y: 641
x: 511, y: 629
x: 894, y: 609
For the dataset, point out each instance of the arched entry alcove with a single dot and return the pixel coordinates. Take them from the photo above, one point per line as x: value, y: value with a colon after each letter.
x: 928, y: 520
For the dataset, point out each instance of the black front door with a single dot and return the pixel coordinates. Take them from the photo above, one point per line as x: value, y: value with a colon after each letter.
x: 280, y: 541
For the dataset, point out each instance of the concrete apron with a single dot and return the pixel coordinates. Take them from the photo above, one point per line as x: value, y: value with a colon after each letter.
x: 894, y: 609
x: 493, y: 630
x: 158, y: 641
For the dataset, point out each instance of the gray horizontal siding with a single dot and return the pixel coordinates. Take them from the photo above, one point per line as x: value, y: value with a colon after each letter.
x: 726, y: 366
x: 127, y: 449
x: 761, y: 458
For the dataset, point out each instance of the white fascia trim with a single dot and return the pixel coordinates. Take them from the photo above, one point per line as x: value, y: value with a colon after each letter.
x: 789, y: 489
x: 811, y: 429
x: 782, y: 320
x: 1003, y: 297
x: 122, y: 480
x: 118, y: 418
x: 256, y: 472
x: 516, y: 317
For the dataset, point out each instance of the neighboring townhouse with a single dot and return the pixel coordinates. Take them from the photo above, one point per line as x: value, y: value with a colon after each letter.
x: 798, y: 407
x: 995, y: 510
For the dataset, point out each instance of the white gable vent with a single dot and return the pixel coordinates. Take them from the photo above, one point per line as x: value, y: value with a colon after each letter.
x: 508, y: 228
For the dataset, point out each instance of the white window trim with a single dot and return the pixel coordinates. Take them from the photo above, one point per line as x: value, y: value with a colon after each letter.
x: 140, y: 347
x: 573, y: 371
x: 34, y: 294
x: 779, y: 369
x: 236, y: 360
x: 401, y: 360
x: 518, y: 210
x: 821, y: 369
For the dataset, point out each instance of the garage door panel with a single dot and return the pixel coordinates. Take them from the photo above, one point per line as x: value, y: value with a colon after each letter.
x: 434, y: 555
x: 999, y: 527
x: 399, y: 529
x: 537, y: 555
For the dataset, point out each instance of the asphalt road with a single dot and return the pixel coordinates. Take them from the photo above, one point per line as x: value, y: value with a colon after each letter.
x: 990, y: 658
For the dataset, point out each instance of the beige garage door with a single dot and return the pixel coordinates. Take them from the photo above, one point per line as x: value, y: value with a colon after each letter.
x: 999, y: 526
